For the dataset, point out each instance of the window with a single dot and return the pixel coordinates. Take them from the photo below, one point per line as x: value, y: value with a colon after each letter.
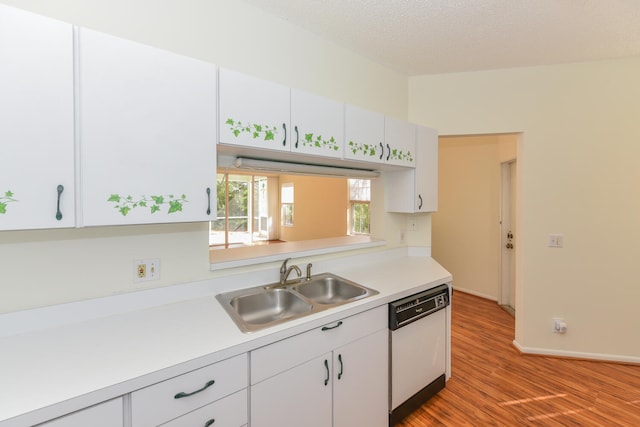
x: 286, y: 200
x: 243, y: 214
x: 359, y: 201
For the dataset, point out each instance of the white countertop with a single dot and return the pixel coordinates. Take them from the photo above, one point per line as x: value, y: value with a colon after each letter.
x: 49, y: 372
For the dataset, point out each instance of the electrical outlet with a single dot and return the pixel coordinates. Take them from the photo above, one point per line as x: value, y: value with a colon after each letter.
x: 559, y: 325
x: 556, y: 240
x: 145, y: 270
x: 412, y: 225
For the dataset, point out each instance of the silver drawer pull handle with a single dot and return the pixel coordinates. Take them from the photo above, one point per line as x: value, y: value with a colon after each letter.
x: 183, y: 394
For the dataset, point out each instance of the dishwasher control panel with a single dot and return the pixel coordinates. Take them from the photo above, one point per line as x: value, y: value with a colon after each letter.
x: 409, y: 309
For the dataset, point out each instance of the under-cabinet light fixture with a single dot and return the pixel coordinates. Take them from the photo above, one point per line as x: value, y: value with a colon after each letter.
x: 302, y: 168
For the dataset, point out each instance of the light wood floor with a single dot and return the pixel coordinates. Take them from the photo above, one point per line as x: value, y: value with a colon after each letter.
x: 492, y: 384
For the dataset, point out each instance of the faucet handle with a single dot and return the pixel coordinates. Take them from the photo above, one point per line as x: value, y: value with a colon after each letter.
x: 283, y: 267
x: 309, y: 271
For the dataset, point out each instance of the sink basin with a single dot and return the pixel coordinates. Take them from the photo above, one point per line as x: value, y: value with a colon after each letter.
x: 330, y: 289
x: 268, y: 306
x: 264, y: 306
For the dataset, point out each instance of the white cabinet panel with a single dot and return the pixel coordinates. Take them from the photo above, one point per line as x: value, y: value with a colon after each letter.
x: 361, y: 380
x: 317, y: 125
x: 399, y: 142
x: 253, y: 113
x: 177, y: 396
x: 325, y: 376
x: 230, y: 411
x: 364, y: 135
x: 300, y: 396
x: 416, y: 190
x: 36, y: 122
x: 147, y: 132
x: 107, y: 414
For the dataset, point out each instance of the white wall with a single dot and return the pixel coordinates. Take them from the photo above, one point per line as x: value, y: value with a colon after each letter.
x: 578, y: 175
x: 49, y: 267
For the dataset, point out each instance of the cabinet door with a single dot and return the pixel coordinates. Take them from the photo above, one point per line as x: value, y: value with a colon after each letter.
x: 361, y: 382
x: 399, y: 142
x: 36, y: 122
x: 107, y: 414
x: 300, y: 396
x: 253, y: 113
x: 416, y: 190
x: 318, y: 125
x: 364, y: 135
x: 147, y: 132
x: 427, y: 170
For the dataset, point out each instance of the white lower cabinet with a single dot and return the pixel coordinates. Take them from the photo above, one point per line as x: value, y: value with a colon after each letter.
x: 215, y: 392
x: 336, y: 375
x: 107, y: 414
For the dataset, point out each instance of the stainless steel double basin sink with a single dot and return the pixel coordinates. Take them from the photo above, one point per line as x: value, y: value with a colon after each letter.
x: 260, y: 307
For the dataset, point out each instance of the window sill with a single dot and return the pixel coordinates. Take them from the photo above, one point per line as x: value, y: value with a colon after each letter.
x: 250, y: 255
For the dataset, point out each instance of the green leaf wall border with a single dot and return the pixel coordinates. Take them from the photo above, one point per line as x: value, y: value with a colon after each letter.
x: 125, y: 204
x: 5, y: 199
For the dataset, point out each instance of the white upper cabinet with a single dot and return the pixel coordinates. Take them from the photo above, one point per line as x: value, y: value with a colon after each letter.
x: 36, y: 122
x: 253, y: 113
x: 317, y: 125
x: 399, y: 142
x: 147, y: 133
x: 364, y: 135
x: 416, y: 190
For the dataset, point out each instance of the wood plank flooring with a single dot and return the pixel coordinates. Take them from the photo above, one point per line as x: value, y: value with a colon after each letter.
x: 492, y: 384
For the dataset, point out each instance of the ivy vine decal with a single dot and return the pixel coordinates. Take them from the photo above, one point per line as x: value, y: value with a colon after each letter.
x: 266, y: 132
x: 5, y: 200
x: 318, y: 142
x: 125, y: 204
x: 365, y: 149
x: 371, y: 150
x: 401, y: 155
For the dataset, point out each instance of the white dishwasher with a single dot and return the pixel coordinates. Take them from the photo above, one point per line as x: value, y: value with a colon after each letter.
x: 418, y: 350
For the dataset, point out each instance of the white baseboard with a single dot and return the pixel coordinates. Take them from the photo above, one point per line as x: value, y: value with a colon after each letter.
x: 472, y: 292
x: 576, y: 354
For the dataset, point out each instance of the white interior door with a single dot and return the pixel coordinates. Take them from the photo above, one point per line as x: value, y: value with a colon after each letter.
x: 508, y: 237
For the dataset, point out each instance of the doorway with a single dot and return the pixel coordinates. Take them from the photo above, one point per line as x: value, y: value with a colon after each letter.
x: 466, y: 230
x: 508, y: 245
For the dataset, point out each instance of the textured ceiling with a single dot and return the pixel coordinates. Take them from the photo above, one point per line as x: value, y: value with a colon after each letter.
x: 443, y: 36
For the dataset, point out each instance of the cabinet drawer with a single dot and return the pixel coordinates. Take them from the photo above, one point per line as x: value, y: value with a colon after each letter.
x: 230, y: 411
x: 282, y: 355
x: 156, y: 404
x: 107, y: 414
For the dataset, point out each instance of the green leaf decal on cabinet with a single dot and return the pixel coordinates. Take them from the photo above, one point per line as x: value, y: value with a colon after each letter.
x: 372, y: 151
x: 124, y: 205
x: 257, y: 131
x: 5, y: 200
x: 318, y: 142
x: 365, y: 149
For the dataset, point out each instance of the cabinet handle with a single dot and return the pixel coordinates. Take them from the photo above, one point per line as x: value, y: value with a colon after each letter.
x: 210, y: 422
x: 327, y: 328
x: 388, y: 151
x: 341, y: 370
x: 183, y: 394
x: 58, y: 213
x: 326, y: 366
x: 297, y: 135
x: 381, y: 151
x: 419, y: 204
x: 284, y: 141
x: 208, y: 201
